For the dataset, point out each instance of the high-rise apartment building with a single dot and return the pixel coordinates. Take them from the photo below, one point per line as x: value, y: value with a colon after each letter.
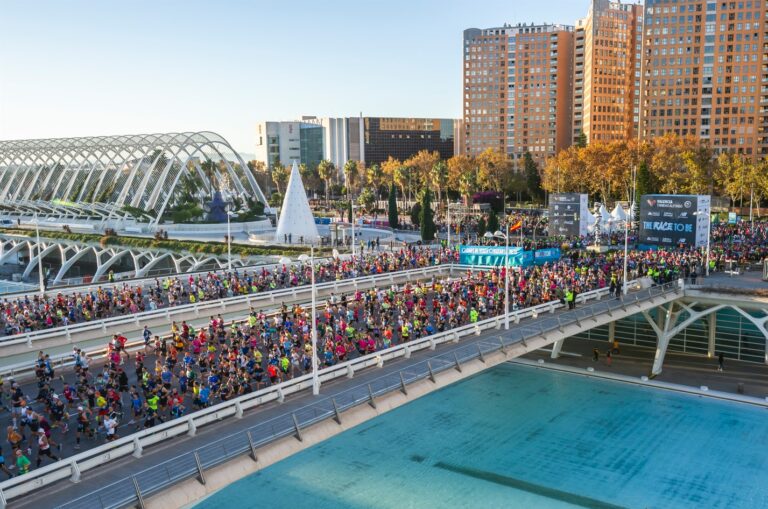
x: 606, y: 83
x: 705, y: 72
x: 518, y: 89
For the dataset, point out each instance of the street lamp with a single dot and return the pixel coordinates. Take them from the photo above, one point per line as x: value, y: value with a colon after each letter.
x: 499, y: 234
x: 39, y: 255
x: 313, y: 330
x: 353, y: 207
x: 627, y: 220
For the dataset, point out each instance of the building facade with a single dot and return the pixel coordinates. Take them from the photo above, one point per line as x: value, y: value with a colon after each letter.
x: 606, y: 84
x: 289, y: 141
x: 371, y: 140
x: 704, y: 73
x: 517, y: 90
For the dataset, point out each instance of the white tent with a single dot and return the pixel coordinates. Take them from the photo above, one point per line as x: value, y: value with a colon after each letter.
x: 296, y: 217
x: 618, y: 214
x: 604, y: 215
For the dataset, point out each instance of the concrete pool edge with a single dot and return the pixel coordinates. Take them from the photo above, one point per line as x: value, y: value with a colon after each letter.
x: 668, y: 386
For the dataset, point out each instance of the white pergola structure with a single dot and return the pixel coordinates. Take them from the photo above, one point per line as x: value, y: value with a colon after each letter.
x: 106, y: 177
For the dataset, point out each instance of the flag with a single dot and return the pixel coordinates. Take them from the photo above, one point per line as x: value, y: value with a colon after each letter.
x: 516, y: 226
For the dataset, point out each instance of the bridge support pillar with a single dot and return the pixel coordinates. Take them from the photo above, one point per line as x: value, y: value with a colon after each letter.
x: 663, y: 335
x: 556, y: 347
x: 711, y: 332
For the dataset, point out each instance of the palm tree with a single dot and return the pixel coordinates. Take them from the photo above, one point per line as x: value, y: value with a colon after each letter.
x: 439, y: 178
x: 351, y: 176
x: 326, y: 169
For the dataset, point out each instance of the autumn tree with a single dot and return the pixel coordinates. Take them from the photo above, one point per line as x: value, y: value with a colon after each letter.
x: 438, y: 178
x: 421, y: 165
x: 565, y: 173
x: 532, y: 177
x: 462, y: 175
x: 494, y: 169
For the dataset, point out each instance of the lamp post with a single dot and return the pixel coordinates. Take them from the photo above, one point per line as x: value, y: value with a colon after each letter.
x: 313, y: 329
x: 352, y: 206
x: 39, y: 256
x: 499, y: 234
x: 626, y: 228
x: 229, y: 240
x: 709, y: 234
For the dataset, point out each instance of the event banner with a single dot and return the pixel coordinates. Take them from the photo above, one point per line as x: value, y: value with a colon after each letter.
x: 494, y: 255
x: 568, y: 214
x: 671, y: 220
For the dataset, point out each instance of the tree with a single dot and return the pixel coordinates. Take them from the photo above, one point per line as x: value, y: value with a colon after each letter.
x: 667, y: 163
x: 494, y: 170
x: 731, y: 175
x: 438, y: 177
x: 581, y: 140
x: 699, y: 162
x: 374, y: 175
x: 644, y: 185
x: 392, y: 210
x: 532, y: 177
x: 279, y: 176
x: 566, y: 172
x: 493, y: 222
x: 416, y: 214
x: 403, y: 177
x: 367, y: 200
x: 426, y: 219
x: 326, y: 170
x: 350, y: 217
x: 462, y: 175
x: 481, y: 226
x: 421, y: 165
x: 351, y: 176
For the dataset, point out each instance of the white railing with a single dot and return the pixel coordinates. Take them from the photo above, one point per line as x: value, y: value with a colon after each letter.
x: 215, y: 306
x: 134, y: 444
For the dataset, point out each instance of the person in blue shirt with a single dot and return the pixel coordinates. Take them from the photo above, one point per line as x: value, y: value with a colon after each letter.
x: 205, y: 395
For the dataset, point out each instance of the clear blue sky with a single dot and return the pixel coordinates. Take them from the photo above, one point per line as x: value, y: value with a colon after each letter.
x: 97, y: 67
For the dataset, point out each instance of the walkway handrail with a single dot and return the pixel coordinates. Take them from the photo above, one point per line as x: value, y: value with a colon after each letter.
x: 134, y: 444
x: 198, y: 307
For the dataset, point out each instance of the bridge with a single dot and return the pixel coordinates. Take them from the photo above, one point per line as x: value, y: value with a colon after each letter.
x: 273, y: 419
x: 143, y: 260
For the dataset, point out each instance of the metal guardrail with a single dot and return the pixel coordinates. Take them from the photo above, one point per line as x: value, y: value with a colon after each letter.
x: 294, y: 294
x: 215, y: 306
x: 193, y: 463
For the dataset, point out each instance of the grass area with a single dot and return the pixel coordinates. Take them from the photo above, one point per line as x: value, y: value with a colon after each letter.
x: 192, y: 246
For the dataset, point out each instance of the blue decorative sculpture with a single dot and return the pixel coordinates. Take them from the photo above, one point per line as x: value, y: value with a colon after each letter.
x: 217, y: 209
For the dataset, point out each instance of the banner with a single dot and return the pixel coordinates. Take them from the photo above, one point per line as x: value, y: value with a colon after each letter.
x: 494, y: 256
x: 568, y: 214
x: 671, y: 220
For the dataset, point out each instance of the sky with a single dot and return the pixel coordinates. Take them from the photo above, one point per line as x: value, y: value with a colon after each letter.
x: 105, y: 67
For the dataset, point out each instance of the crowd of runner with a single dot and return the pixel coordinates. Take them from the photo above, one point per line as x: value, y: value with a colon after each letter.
x: 29, y: 313
x: 185, y: 369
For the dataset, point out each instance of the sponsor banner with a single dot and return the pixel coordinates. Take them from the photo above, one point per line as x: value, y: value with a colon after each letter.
x: 672, y: 220
x: 568, y: 214
x: 494, y: 255
x: 732, y: 218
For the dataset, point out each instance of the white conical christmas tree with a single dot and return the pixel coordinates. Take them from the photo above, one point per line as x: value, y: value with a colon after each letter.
x: 296, y: 217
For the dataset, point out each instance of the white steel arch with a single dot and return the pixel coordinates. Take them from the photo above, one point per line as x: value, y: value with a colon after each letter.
x: 111, y: 175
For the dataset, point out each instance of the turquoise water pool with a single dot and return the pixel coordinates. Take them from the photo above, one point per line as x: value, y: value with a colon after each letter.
x: 518, y: 437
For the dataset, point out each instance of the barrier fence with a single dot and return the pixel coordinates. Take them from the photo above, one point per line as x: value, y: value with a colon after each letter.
x: 194, y: 463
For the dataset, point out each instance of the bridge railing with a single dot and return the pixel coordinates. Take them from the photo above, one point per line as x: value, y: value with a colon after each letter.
x: 217, y: 306
x: 195, y: 462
